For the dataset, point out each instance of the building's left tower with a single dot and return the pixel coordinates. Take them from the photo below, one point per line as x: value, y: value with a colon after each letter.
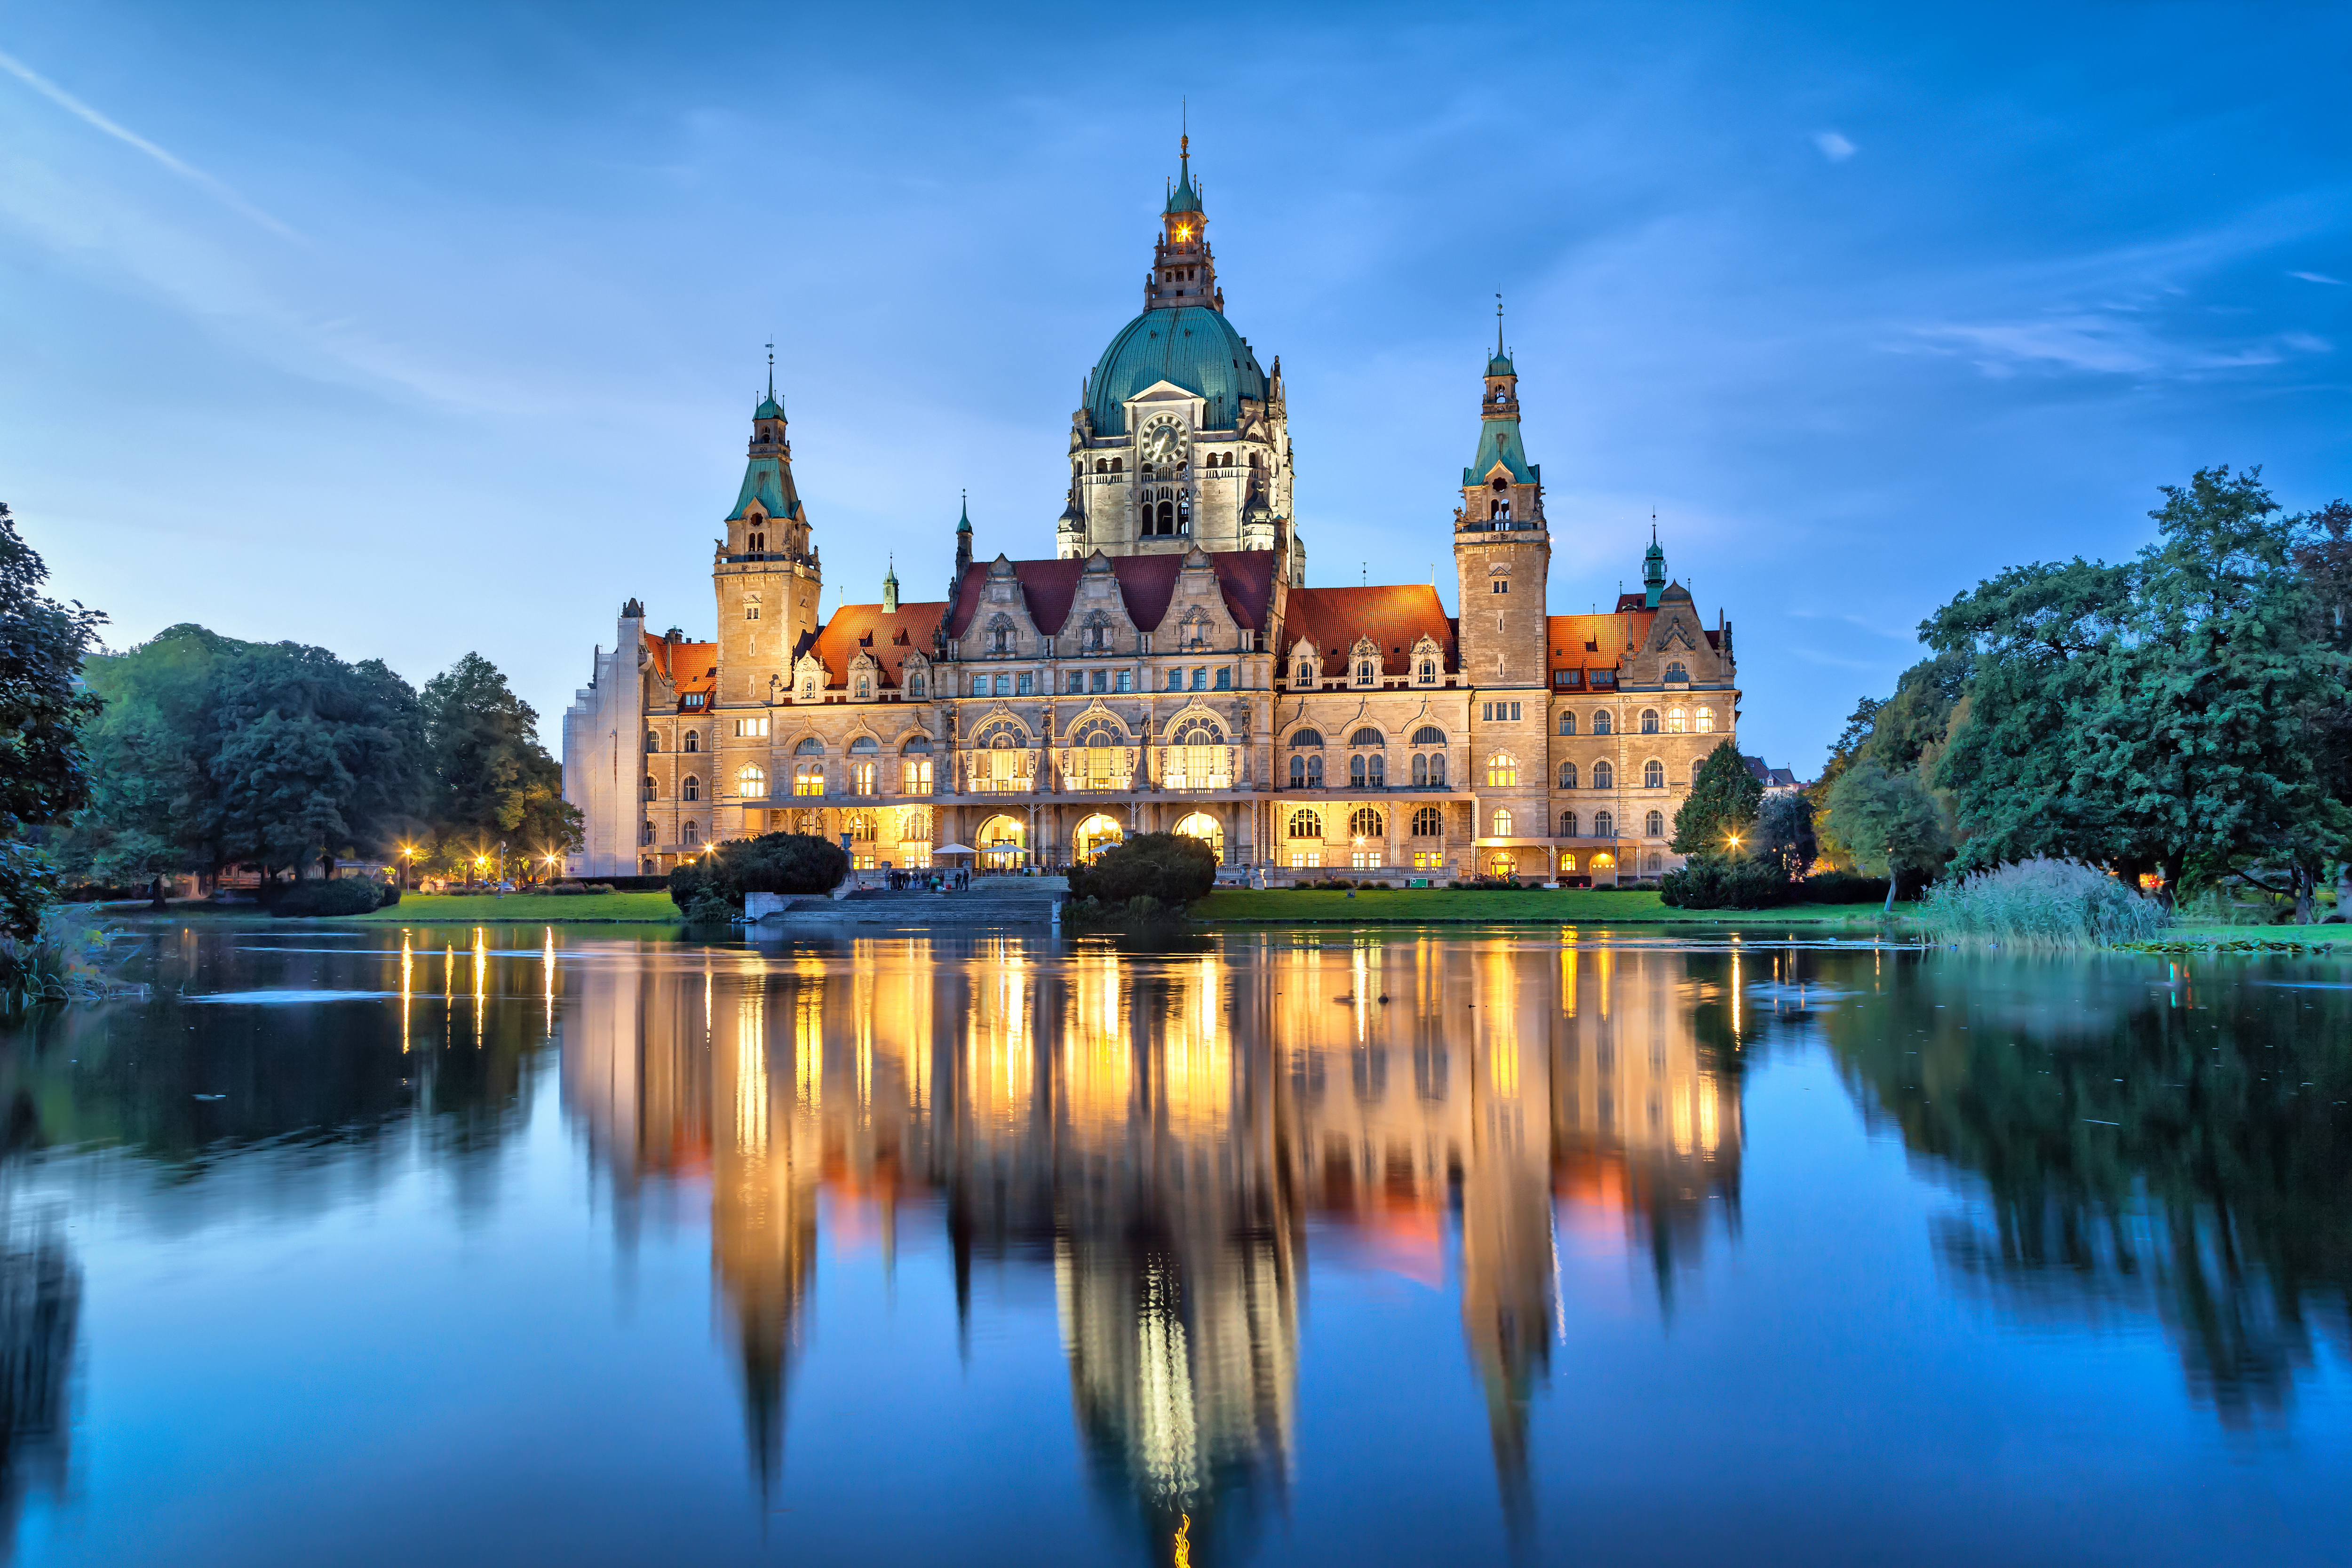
x: 670, y: 739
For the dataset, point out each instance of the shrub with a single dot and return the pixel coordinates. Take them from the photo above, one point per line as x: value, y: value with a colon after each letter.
x: 1724, y: 882
x: 1173, y: 869
x: 333, y: 896
x: 387, y: 895
x: 2042, y: 902
x: 1840, y: 888
x: 58, y: 962
x: 771, y: 863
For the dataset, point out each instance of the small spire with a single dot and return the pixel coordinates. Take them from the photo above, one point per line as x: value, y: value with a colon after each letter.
x: 1498, y: 323
x: 964, y: 524
x: 771, y: 369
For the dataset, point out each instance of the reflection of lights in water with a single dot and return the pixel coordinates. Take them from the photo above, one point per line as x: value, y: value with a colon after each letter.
x: 1567, y: 969
x: 808, y: 1048
x: 546, y: 981
x: 481, y: 981
x: 407, y: 978
x: 751, y: 1073
x: 1167, y: 1442
x: 1182, y: 1545
x: 1607, y: 965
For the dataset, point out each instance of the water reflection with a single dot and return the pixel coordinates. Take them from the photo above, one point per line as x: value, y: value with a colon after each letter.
x: 2143, y: 1142
x: 1165, y: 1134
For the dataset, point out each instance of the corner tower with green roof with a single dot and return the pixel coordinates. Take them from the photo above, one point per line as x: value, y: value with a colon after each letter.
x: 1182, y: 438
x: 764, y: 572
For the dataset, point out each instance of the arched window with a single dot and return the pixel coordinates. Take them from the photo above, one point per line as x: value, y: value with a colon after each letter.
x: 915, y: 685
x: 1568, y: 775
x: 1306, y: 823
x: 1314, y: 771
x: 691, y: 789
x: 1297, y: 773
x: 1706, y: 721
x: 1502, y: 825
x: 650, y: 833
x: 1427, y: 674
x: 1184, y: 513
x: 1303, y: 738
x: 1567, y: 722
x: 1603, y: 723
x: 811, y: 747
x: 1428, y: 822
x: 1419, y: 771
x: 1368, y: 737
x: 1653, y: 774
x: 862, y: 777
x: 1306, y: 672
x: 694, y: 740
x: 1603, y: 775
x: 1568, y: 825
x: 1677, y: 721
x: 1604, y: 861
x: 1697, y: 768
x: 1654, y: 824
x: 752, y: 782
x: 1502, y: 770
x: 1676, y: 671
x: 1118, y: 464
x: 1429, y: 735
x: 860, y: 827
x: 652, y: 740
x: 1604, y: 824
x: 1366, y: 822
x: 1649, y: 720
x: 689, y: 834
x: 652, y: 788
x: 808, y: 778
x: 1437, y: 770
x: 645, y: 867
x: 1364, y: 672
x: 915, y: 826
x: 1356, y: 772
x: 863, y: 746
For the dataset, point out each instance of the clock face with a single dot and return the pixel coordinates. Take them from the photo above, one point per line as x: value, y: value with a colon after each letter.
x: 1162, y: 442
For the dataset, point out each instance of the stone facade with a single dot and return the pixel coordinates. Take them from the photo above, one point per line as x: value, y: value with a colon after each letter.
x: 1169, y: 669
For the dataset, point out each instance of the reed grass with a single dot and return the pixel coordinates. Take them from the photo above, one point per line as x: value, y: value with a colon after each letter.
x: 2041, y: 902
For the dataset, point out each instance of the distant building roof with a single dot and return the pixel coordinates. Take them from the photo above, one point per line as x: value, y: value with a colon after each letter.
x: 690, y: 666
x: 1394, y: 615
x: 888, y: 635
x: 1147, y: 584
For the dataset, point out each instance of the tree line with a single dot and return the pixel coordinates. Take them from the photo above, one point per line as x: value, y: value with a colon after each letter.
x: 2181, y: 716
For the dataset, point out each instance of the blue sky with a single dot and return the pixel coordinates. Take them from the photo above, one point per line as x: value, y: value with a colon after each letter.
x: 408, y: 330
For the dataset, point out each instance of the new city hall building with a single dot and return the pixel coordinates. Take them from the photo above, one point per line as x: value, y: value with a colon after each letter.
x: 1169, y: 668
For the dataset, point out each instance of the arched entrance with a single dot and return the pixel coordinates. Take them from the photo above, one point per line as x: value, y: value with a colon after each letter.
x: 1000, y: 843
x: 1502, y: 863
x: 1097, y: 833
x: 1207, y: 830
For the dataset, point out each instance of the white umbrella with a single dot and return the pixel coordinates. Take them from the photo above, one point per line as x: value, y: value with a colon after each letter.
x: 954, y: 850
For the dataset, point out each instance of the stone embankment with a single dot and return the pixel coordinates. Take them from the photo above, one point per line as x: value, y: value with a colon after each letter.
x: 989, y: 901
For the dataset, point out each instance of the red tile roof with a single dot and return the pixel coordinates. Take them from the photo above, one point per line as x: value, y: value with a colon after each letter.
x: 1601, y: 642
x: 687, y: 666
x: 1147, y: 584
x: 888, y: 635
x: 1394, y: 615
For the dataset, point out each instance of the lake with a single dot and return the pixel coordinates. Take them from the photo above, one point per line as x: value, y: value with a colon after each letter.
x: 527, y: 1244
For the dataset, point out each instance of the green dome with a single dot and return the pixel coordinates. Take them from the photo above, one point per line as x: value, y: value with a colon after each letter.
x: 1192, y: 346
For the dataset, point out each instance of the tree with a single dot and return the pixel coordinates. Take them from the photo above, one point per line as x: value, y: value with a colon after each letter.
x: 1784, y: 833
x: 492, y: 780
x: 1173, y: 869
x: 1891, y: 822
x: 2151, y: 714
x: 1721, y: 807
x: 771, y: 863
x: 43, y: 771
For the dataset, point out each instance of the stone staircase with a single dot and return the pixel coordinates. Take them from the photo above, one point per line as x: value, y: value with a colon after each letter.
x: 988, y: 901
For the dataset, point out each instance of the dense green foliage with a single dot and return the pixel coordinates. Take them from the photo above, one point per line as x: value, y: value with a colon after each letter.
x: 1171, y: 869
x: 42, y: 764
x: 1725, y: 882
x: 337, y: 896
x: 1784, y: 833
x: 2183, y: 712
x: 2042, y: 902
x: 712, y: 886
x: 1721, y: 807
x: 213, y: 753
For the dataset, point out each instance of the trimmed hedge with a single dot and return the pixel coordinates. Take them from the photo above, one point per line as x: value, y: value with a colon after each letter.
x: 335, y: 895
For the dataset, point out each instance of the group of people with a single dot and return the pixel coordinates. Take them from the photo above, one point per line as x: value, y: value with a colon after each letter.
x: 953, y: 880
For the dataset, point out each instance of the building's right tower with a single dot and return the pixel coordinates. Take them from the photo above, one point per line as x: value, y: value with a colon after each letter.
x: 1502, y: 561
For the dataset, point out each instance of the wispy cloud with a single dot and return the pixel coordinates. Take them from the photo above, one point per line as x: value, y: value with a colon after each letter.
x: 2317, y: 278
x: 1835, y: 147
x: 123, y: 134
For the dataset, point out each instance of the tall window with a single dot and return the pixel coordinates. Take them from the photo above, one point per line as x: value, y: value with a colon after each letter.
x: 652, y: 742
x: 1502, y: 825
x: 1649, y: 720
x: 1706, y: 721
x: 1568, y: 775
x: 1364, y: 672
x: 754, y: 728
x: 689, y: 834
x: 1604, y: 824
x: 1419, y: 771
x: 1306, y: 675
x: 1298, y: 771
x: 1367, y: 823
x: 1568, y: 825
x: 1427, y: 673
x: 1356, y: 772
x: 1603, y: 775
x: 915, y: 775
x: 1677, y: 721
x: 860, y: 827
x: 861, y: 778
x: 1567, y: 723
x: 1676, y: 671
x: 808, y: 778
x: 1428, y: 822
x: 915, y: 686
x: 1502, y: 770
x: 694, y: 740
x: 1654, y: 824
x: 1437, y: 771
x: 1653, y: 774
x: 691, y: 789
x: 652, y: 788
x: 1305, y: 823
x: 1602, y: 722
x: 1315, y: 771
x: 648, y: 832
x: 752, y: 782
x: 1003, y: 686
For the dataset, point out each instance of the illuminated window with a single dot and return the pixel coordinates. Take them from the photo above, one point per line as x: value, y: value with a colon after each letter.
x: 808, y: 778
x: 1305, y: 857
x: 1502, y: 825
x: 1367, y: 824
x: 861, y: 778
x: 1706, y: 721
x: 752, y: 782
x: 1429, y: 861
x: 1305, y: 823
x: 1677, y: 721
x: 1502, y: 770
x: 752, y: 729
x: 859, y: 825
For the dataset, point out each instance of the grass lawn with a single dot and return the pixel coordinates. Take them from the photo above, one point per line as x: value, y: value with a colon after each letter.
x: 1565, y: 906
x: 523, y: 909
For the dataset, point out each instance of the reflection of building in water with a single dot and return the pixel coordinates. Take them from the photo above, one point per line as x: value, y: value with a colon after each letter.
x: 1155, y: 1131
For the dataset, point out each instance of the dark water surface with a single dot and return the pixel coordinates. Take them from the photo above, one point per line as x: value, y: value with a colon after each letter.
x: 522, y: 1245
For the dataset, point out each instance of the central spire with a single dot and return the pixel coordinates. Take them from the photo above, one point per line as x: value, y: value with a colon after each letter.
x: 1183, y: 269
